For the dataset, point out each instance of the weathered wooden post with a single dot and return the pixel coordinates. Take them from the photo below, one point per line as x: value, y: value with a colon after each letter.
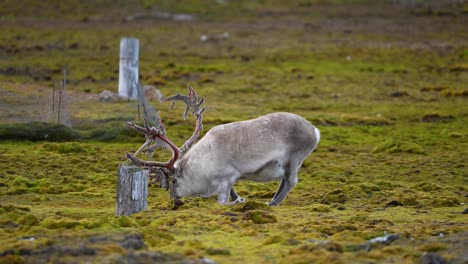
x: 128, y: 70
x: 132, y: 190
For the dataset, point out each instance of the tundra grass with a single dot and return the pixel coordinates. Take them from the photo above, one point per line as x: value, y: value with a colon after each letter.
x: 389, y: 98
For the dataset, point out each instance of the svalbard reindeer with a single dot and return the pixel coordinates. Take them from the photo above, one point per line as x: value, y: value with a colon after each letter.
x: 268, y: 148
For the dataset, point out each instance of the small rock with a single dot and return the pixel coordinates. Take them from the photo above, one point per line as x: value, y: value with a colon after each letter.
x: 399, y: 94
x: 108, y: 96
x: 152, y: 93
x: 432, y: 258
x: 175, y: 204
x: 293, y: 242
x: 27, y: 238
x: 436, y: 118
x: 207, y: 261
x: 133, y: 241
x: 393, y: 203
x: 385, y: 240
x: 465, y: 211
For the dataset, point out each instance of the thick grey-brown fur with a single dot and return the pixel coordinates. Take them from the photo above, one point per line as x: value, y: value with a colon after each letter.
x: 269, y: 148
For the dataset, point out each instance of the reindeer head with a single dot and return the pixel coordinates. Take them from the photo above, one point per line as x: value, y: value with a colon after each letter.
x: 165, y: 172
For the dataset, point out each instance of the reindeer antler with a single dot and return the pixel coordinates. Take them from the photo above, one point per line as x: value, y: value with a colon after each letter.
x: 158, y: 134
x: 192, y: 102
x: 153, y: 134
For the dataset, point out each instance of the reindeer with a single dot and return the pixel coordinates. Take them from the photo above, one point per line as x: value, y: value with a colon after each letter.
x: 269, y: 148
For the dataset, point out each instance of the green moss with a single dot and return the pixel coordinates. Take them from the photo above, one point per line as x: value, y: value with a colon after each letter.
x: 274, y: 240
x: 260, y: 217
x: 68, y: 147
x: 447, y: 201
x: 369, y: 188
x: 249, y: 206
x: 157, y: 237
x: 409, y: 199
x: 217, y: 251
x: 403, y: 101
x: 28, y: 220
x: 402, y: 146
x: 427, y: 187
x: 317, y: 246
x: 335, y: 196
x: 58, y: 224
x: 432, y: 247
x: 13, y: 259
x: 359, y: 218
x: 320, y: 208
x: 37, y: 131
x: 123, y: 221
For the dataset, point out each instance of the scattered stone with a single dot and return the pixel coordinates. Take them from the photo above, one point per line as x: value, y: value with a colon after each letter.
x: 393, y: 203
x: 174, y: 204
x: 108, y: 96
x: 214, y: 38
x: 340, y: 207
x: 151, y: 257
x: 432, y: 258
x: 458, y: 68
x: 74, y: 45
x: 293, y: 242
x: 159, y: 15
x: 382, y: 240
x: 130, y: 248
x: 399, y: 94
x: 207, y: 261
x: 152, y: 93
x: 436, y: 118
x: 27, y: 238
x: 385, y: 240
x: 133, y: 241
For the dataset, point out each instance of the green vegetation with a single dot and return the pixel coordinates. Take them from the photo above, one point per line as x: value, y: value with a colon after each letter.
x: 385, y: 83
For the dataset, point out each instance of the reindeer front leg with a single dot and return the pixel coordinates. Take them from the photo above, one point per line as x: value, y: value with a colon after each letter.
x: 224, y: 189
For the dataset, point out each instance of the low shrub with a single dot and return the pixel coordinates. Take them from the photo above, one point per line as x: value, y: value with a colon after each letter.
x: 37, y: 131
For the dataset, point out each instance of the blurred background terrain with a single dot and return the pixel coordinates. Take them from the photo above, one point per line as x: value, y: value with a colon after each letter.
x: 385, y: 81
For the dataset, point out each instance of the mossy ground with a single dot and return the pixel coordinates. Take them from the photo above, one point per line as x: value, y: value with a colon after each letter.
x: 386, y: 84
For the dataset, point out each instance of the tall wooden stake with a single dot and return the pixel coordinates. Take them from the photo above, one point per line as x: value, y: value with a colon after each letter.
x: 53, y: 101
x: 128, y: 71
x: 59, y: 102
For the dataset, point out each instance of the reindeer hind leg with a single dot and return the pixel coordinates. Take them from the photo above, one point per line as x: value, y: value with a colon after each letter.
x: 286, y: 185
x: 235, y: 198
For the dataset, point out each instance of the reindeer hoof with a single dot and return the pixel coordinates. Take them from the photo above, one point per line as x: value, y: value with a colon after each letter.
x: 239, y: 200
